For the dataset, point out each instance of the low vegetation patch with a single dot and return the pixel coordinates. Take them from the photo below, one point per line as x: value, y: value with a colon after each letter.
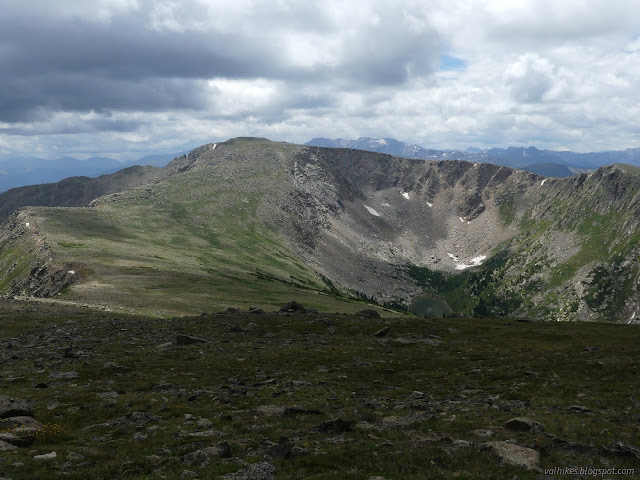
x: 313, y: 395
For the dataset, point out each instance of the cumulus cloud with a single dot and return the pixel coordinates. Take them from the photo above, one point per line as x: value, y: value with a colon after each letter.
x: 530, y: 78
x: 143, y: 74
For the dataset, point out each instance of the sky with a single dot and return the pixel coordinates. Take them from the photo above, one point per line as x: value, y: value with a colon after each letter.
x: 124, y: 78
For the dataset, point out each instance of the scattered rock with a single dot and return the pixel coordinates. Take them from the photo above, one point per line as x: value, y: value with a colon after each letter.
x: 162, y: 346
x: 46, y: 456
x: 483, y: 433
x: 381, y: 333
x: 394, y: 422
x: 283, y: 449
x: 523, y: 424
x: 139, y: 437
x: 459, y: 444
x: 20, y: 424
x: 69, y: 352
x: 578, y: 409
x: 75, y: 457
x: 230, y: 310
x: 64, y: 375
x: 203, y: 456
x: 514, y: 455
x: 189, y: 340
x: 14, y: 407
x: 112, y: 366
x: 288, y: 411
x: 4, y: 446
x: 256, y: 310
x: 622, y: 449
x: 204, y: 423
x: 368, y: 313
x: 13, y: 439
x: 337, y: 425
x: 257, y: 471
x: 293, y: 306
x: 276, y: 410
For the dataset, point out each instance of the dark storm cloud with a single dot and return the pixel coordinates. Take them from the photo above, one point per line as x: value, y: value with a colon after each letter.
x: 51, y: 63
x: 78, y: 68
x: 73, y: 126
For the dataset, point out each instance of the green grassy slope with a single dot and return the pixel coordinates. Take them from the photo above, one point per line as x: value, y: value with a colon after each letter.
x: 243, y: 223
x: 198, y: 241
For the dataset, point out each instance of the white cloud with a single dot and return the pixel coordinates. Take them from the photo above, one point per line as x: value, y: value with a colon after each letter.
x: 554, y: 74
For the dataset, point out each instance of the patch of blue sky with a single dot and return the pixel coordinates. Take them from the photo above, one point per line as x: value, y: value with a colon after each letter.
x: 448, y: 62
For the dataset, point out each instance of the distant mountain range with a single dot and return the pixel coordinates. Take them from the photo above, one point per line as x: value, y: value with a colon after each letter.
x: 548, y: 163
x: 33, y: 171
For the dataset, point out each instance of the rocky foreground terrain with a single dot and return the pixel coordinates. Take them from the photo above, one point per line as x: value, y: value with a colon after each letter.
x: 299, y: 394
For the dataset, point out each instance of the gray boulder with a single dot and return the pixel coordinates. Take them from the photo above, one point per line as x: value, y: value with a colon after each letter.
x: 188, y: 340
x: 14, y: 407
x: 21, y: 424
x: 524, y: 424
x: 514, y: 455
x: 257, y: 471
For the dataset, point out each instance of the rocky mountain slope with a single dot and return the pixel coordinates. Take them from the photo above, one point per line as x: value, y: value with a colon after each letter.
x: 261, y: 221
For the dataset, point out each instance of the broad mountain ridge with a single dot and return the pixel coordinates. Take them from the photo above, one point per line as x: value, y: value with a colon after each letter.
x: 263, y: 222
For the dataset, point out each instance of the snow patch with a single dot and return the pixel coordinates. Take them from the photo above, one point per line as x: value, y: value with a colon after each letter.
x: 381, y: 141
x: 72, y: 272
x: 461, y: 219
x: 385, y: 204
x: 542, y: 182
x: 405, y: 195
x: 27, y: 224
x: 475, y: 262
x: 372, y: 211
x: 430, y: 205
x: 214, y: 146
x: 452, y: 257
x: 632, y: 317
x: 475, y: 164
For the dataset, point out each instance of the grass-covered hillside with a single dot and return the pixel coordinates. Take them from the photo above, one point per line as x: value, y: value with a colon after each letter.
x: 260, y: 222
x: 198, y: 241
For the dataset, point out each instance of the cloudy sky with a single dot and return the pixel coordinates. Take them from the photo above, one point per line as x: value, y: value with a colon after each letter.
x: 123, y: 78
